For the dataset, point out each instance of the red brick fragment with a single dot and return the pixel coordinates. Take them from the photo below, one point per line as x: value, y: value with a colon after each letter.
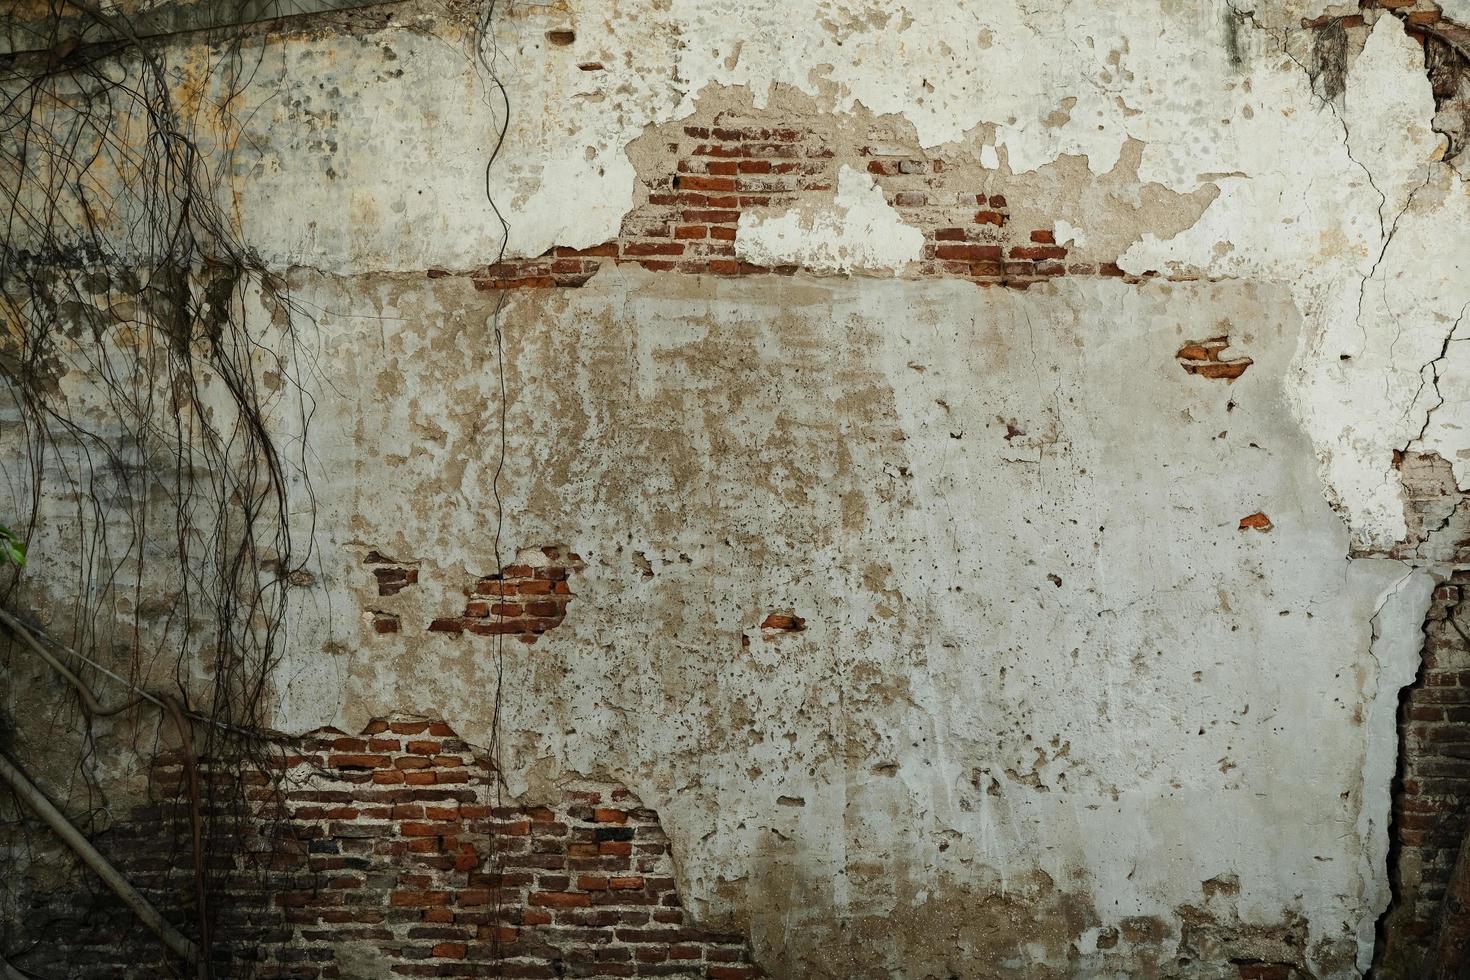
x: 1257, y: 521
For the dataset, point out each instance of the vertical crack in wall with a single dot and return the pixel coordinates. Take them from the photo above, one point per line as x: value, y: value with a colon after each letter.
x: 1335, y: 43
x: 1433, y: 368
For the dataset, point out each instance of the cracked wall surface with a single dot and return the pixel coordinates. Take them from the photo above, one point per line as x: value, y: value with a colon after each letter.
x: 978, y: 474
x: 370, y: 856
x: 923, y: 767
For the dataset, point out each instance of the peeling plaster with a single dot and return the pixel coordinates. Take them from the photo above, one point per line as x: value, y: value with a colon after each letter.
x: 1068, y: 233
x: 860, y: 232
x: 1052, y: 700
x: 324, y: 155
x: 1024, y: 645
x: 1395, y: 647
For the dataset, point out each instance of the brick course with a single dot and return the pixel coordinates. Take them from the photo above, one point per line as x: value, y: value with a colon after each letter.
x: 1432, y: 792
x: 521, y: 600
x: 391, y: 847
x: 709, y: 175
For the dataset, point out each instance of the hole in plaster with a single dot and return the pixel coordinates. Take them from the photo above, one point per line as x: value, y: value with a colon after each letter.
x: 783, y: 623
x: 1256, y: 522
x: 393, y: 575
x: 524, y: 599
x: 1202, y: 357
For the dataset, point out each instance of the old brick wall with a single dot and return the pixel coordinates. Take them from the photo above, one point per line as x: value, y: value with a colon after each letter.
x: 1432, y: 792
x: 388, y: 854
x: 703, y: 174
x: 706, y: 176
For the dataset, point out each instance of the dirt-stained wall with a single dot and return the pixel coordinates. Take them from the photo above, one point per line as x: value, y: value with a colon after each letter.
x: 958, y: 458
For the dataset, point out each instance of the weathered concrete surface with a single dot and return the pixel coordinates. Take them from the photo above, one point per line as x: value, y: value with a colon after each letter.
x: 1046, y: 686
x: 1347, y: 202
x: 1053, y: 710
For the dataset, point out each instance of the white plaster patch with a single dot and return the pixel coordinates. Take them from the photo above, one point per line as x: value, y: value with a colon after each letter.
x: 394, y: 178
x: 1367, y: 377
x: 1395, y: 647
x: 1378, y: 316
x: 1265, y: 223
x: 1066, y: 233
x: 1456, y: 10
x: 860, y: 232
x: 1374, y: 256
x: 1388, y: 106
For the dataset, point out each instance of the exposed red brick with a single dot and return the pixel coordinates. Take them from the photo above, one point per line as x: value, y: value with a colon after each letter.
x: 1433, y: 789
x: 653, y: 248
x: 697, y: 183
x: 1039, y: 252
x: 413, y: 899
x: 560, y: 900
x: 1203, y: 358
x: 426, y: 846
x: 972, y: 253
x: 1256, y: 521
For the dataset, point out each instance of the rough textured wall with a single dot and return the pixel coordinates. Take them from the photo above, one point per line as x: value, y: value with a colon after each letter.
x: 915, y: 773
x: 1431, y: 792
x: 950, y: 629
x: 370, y: 856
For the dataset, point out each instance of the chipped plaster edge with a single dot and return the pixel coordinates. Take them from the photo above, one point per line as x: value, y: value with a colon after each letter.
x: 1395, y: 646
x: 859, y: 232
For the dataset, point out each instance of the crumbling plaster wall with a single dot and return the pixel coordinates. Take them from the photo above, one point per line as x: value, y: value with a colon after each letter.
x: 1033, y: 666
x: 1347, y: 203
x: 1054, y: 708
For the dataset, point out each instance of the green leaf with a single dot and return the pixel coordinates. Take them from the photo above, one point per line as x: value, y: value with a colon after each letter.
x: 12, y: 548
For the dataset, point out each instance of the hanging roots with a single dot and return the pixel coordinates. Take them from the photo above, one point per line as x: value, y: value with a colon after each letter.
x: 149, y: 365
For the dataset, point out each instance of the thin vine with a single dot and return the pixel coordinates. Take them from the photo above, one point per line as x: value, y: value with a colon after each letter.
x: 150, y: 361
x: 486, y: 56
x: 149, y: 357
